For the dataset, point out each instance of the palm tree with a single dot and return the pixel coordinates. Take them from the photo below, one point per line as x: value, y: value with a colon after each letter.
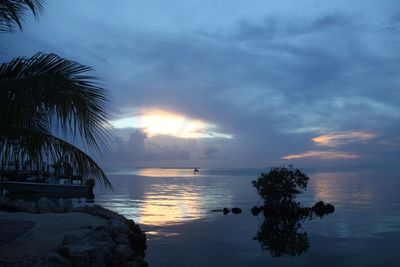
x: 12, y: 12
x: 46, y: 92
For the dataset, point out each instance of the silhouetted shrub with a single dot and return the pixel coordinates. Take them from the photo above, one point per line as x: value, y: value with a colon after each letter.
x: 281, y: 185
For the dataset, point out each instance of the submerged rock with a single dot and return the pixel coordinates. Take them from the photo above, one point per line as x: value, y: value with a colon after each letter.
x: 329, y: 208
x: 226, y: 210
x: 236, y: 210
x: 320, y: 209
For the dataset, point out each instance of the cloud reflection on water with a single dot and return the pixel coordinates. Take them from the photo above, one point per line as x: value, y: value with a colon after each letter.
x: 346, y: 189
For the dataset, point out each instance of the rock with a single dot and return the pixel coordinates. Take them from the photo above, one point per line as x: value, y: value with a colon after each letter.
x: 131, y: 264
x: 102, y: 233
x: 26, y: 206
x: 45, y: 205
x: 236, y: 210
x: 122, y: 239
x: 69, y: 239
x: 65, y: 205
x: 87, y: 253
x: 53, y: 259
x: 318, y: 208
x: 46, y: 259
x: 226, y: 211
x: 319, y: 205
x: 321, y: 209
x: 255, y: 210
x: 329, y: 208
x: 120, y: 243
x: 118, y: 225
x: 100, y: 211
x: 6, y: 204
x: 137, y: 263
x: 138, y: 242
x: 63, y: 251
x: 125, y: 252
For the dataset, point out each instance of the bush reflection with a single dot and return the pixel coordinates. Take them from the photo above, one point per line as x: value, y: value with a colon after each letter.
x: 282, y: 235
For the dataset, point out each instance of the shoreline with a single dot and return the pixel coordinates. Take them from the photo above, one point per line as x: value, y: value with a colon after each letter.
x: 44, y: 234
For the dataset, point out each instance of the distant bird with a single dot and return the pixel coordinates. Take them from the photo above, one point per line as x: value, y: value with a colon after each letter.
x: 195, y: 171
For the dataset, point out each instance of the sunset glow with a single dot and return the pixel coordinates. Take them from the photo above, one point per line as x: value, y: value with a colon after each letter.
x: 322, y: 155
x: 341, y: 138
x: 164, y: 123
x: 334, y: 140
x: 159, y: 122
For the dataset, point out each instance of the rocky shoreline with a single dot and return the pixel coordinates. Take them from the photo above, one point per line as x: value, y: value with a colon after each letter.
x: 118, y: 243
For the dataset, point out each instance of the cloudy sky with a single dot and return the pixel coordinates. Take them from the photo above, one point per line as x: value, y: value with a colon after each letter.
x: 235, y: 83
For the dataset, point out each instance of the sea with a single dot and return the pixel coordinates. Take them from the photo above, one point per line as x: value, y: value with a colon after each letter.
x: 175, y: 207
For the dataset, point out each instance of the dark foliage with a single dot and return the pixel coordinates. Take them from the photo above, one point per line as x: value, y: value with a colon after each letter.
x: 281, y: 185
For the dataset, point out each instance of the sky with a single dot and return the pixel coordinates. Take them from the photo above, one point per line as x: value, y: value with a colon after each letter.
x: 235, y: 83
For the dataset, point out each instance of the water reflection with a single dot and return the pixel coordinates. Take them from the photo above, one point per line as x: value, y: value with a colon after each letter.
x: 281, y: 231
x: 159, y: 172
x: 168, y: 203
x: 345, y: 189
x: 162, y: 201
x: 282, y: 236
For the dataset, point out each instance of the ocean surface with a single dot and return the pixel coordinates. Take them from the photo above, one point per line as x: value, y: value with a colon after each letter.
x: 174, y: 207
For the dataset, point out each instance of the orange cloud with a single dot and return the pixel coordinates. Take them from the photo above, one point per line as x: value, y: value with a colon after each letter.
x: 341, y: 138
x: 322, y: 155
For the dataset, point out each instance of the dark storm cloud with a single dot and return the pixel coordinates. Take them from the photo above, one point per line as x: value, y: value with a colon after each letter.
x: 138, y: 149
x: 274, y: 81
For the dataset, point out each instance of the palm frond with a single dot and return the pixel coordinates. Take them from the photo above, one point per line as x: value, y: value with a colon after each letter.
x: 37, y: 145
x: 12, y: 12
x: 56, y: 91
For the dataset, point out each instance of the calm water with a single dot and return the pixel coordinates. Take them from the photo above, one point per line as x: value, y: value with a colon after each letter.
x: 174, y: 207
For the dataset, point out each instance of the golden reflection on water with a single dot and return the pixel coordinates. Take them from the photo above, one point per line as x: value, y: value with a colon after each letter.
x: 170, y: 204
x: 160, y: 172
x: 164, y: 196
x: 344, y: 188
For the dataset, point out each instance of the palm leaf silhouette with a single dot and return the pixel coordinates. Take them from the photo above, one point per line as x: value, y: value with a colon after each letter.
x: 46, y: 93
x: 12, y: 12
